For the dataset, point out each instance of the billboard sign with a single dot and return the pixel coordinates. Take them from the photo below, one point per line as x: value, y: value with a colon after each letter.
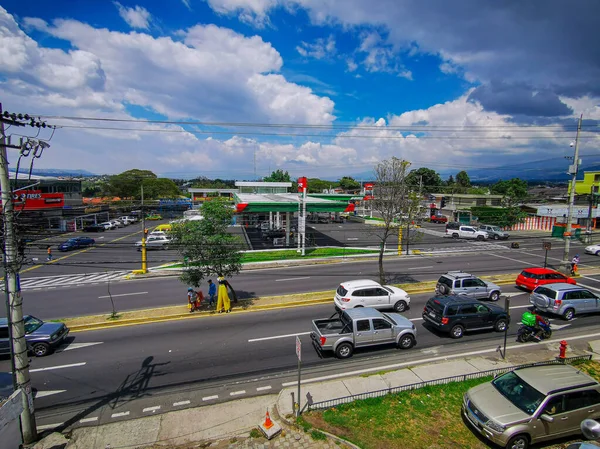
x: 35, y: 199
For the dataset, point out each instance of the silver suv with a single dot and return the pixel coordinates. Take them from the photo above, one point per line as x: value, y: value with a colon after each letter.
x: 494, y: 232
x: 564, y: 299
x: 530, y: 405
x: 465, y: 284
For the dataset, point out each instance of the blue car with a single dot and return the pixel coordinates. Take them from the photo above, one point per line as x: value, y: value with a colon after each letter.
x: 76, y: 243
x: 41, y: 337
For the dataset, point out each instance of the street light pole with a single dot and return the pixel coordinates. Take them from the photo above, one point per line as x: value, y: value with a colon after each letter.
x: 144, y: 254
x: 573, y: 171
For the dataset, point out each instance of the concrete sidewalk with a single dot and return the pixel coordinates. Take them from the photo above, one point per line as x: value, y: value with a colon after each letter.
x: 230, y: 425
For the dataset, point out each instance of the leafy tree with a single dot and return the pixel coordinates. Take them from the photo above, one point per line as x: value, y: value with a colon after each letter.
x: 514, y: 188
x: 462, y: 179
x: 160, y: 188
x: 478, y: 190
x: 429, y: 180
x: 128, y: 184
x: 206, y: 245
x: 499, y: 216
x: 278, y: 176
x: 450, y: 180
x: 392, y: 199
x: 348, y: 183
x: 316, y: 185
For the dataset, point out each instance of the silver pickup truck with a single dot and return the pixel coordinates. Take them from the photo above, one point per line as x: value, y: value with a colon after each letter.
x: 365, y: 326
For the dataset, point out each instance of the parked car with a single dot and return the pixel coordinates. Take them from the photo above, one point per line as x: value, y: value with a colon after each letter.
x: 117, y: 223
x: 127, y: 219
x: 531, y: 405
x: 565, y: 300
x: 465, y: 284
x: 593, y: 249
x: 359, y: 328
x: 530, y: 278
x: 457, y: 315
x: 466, y: 232
x: 165, y: 227
x: 41, y: 337
x: 107, y: 225
x: 158, y: 234
x: 438, y: 219
x: 154, y: 217
x: 368, y: 293
x: 494, y: 232
x: 94, y: 228
x: 154, y: 242
x: 76, y: 243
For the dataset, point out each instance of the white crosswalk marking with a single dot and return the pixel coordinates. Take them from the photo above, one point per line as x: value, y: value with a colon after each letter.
x: 69, y: 280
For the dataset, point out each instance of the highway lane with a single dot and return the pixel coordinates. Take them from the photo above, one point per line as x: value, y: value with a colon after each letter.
x: 65, y: 301
x: 220, y: 355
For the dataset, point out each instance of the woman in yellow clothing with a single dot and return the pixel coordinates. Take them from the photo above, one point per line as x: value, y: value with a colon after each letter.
x: 223, y: 303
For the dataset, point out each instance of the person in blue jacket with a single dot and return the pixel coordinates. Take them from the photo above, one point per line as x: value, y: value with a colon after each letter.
x: 212, y: 292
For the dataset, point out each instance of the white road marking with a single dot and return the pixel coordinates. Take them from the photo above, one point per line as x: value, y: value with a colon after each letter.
x: 556, y: 327
x: 119, y: 415
x: 49, y: 368
x: 210, y: 398
x: 43, y: 394
x: 49, y: 426
x: 237, y: 393
x: 123, y: 294
x: 291, y: 279
x: 352, y: 238
x: 86, y: 420
x: 587, y: 286
x: 277, y: 336
x: 419, y: 268
x: 180, y: 403
x: 151, y: 409
x: 430, y: 359
x: 511, y: 294
x: 78, y: 346
x: 515, y: 260
x: 521, y: 307
x: 268, y: 387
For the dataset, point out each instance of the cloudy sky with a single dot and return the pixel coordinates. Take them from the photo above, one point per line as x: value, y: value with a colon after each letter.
x: 322, y: 88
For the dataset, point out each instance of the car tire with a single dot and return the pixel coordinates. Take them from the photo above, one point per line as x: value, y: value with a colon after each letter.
x: 400, y: 306
x: 520, y: 441
x: 344, y: 351
x: 500, y: 325
x: 406, y: 341
x: 40, y: 349
x: 443, y: 289
x: 494, y: 296
x: 569, y: 314
x: 496, y: 237
x: 455, y: 235
x: 480, y: 237
x: 457, y: 331
x: 597, y: 253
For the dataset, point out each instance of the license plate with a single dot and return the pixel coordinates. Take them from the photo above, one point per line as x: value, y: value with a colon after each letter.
x: 432, y: 314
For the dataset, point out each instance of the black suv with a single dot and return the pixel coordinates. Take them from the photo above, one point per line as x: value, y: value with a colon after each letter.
x: 456, y: 314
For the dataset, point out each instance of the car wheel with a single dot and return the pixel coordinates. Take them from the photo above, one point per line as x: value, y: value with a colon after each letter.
x: 496, y: 237
x: 495, y: 296
x: 344, y: 351
x: 457, y: 331
x: 518, y: 442
x: 597, y: 253
x: 569, y: 314
x: 41, y: 349
x: 455, y: 235
x: 406, y: 341
x: 480, y: 237
x: 400, y: 306
x: 500, y: 325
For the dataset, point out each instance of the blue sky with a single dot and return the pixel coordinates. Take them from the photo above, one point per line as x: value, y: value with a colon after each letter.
x: 446, y: 85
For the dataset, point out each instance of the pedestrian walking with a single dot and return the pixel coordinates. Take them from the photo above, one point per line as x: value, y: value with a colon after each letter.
x: 223, y: 302
x: 191, y: 298
x: 212, y: 292
x: 49, y: 251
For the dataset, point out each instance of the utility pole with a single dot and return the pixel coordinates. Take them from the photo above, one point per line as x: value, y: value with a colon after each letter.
x: 572, y: 171
x: 144, y: 254
x: 15, y: 300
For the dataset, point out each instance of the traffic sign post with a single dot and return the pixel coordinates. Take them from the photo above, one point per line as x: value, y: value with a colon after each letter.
x: 299, y: 355
x: 547, y: 246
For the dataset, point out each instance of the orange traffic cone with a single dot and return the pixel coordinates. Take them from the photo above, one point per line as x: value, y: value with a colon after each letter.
x: 268, y: 423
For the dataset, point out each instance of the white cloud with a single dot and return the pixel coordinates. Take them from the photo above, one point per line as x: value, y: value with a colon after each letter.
x: 320, y: 49
x: 381, y: 56
x: 136, y: 17
x: 352, y: 66
x: 187, y: 4
x: 252, y: 12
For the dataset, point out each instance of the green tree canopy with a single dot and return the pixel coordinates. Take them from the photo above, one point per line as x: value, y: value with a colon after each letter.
x: 316, y: 185
x: 428, y: 179
x: 349, y: 183
x: 128, y: 184
x: 206, y: 245
x: 515, y: 189
x: 160, y: 188
x: 462, y: 179
x: 278, y: 176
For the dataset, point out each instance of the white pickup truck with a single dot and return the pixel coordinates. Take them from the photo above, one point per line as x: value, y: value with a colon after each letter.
x: 467, y: 232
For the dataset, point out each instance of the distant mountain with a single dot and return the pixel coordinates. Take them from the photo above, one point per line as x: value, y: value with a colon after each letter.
x: 58, y: 172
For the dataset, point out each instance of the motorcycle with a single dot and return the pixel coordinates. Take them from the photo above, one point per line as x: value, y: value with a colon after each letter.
x: 528, y: 333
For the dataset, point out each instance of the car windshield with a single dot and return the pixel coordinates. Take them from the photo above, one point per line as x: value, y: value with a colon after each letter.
x: 32, y: 324
x: 519, y: 392
x: 494, y: 228
x: 390, y: 318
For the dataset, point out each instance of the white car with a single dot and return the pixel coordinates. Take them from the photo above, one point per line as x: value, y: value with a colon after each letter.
x: 159, y: 234
x: 154, y: 242
x: 593, y: 249
x: 368, y: 293
x: 107, y: 225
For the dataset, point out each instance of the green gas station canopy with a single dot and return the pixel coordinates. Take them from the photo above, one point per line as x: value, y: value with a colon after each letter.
x: 288, y: 202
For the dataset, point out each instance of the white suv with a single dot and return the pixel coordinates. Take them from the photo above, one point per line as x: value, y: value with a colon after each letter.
x: 368, y: 293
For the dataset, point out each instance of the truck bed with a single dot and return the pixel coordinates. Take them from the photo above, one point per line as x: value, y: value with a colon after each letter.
x: 330, y: 326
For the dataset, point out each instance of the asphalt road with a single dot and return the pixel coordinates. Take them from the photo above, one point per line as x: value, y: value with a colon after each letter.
x: 216, y: 358
x: 66, y: 301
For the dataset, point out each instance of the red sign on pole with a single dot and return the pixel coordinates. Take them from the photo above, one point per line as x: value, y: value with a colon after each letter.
x: 302, y: 184
x: 369, y: 186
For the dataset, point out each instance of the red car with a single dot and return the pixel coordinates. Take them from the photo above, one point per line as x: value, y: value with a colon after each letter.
x: 530, y: 278
x: 438, y: 219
